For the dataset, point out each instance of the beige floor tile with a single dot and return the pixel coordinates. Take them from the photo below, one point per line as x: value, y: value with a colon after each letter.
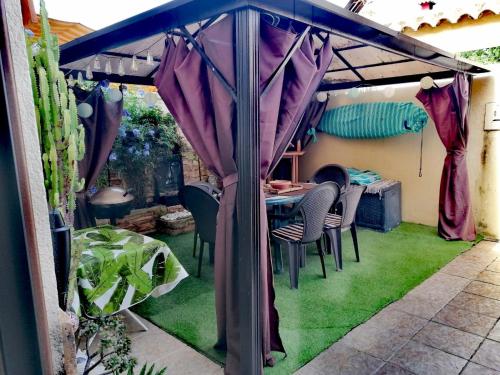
x: 479, y: 304
x: 484, y: 289
x: 391, y: 369
x: 475, y: 369
x: 385, y: 333
x: 424, y: 360
x: 465, y: 266
x: 427, y: 299
x: 448, y: 339
x: 495, y: 333
x: 341, y: 360
x: 488, y: 355
x: 465, y: 320
x: 495, y: 267
x: 158, y: 347
x: 489, y: 277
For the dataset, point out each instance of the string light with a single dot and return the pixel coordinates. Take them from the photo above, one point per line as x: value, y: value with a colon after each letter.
x: 149, y: 58
x: 107, y: 68
x: 71, y: 80
x: 97, y: 63
x: 121, y: 68
x: 80, y: 78
x: 88, y: 73
x: 134, y: 66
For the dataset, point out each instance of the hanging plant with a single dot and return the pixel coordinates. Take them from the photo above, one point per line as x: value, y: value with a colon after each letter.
x: 146, y: 134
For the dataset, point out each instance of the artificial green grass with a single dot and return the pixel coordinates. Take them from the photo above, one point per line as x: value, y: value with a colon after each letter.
x: 321, y: 311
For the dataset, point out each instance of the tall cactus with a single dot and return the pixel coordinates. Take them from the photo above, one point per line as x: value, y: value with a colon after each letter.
x: 62, y: 138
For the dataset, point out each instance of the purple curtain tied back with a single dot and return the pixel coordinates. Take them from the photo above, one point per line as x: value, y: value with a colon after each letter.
x: 101, y: 129
x: 205, y: 112
x: 449, y: 106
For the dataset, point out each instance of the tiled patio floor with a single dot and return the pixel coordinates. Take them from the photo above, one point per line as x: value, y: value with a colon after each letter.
x: 158, y: 347
x: 447, y: 325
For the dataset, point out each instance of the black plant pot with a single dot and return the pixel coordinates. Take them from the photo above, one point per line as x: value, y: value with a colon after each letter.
x: 61, y: 242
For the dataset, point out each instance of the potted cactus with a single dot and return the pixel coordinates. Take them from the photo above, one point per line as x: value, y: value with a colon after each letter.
x: 62, y: 145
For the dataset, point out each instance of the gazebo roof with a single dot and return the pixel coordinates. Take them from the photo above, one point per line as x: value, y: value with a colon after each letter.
x: 366, y: 53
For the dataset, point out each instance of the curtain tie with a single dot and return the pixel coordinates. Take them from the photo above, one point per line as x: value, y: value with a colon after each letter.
x: 312, y: 133
x: 456, y: 152
x: 229, y: 180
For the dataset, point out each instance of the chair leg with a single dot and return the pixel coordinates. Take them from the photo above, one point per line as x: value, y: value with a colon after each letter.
x: 195, y: 240
x: 278, y: 258
x: 333, y: 244
x: 338, y: 234
x: 293, y: 265
x: 211, y: 252
x: 354, y: 235
x: 200, y: 259
x: 302, y: 255
x: 319, y: 246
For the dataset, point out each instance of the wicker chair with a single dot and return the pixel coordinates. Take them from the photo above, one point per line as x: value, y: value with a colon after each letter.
x: 204, y: 208
x: 312, y: 208
x: 335, y: 173
x: 210, y: 189
x: 336, y: 224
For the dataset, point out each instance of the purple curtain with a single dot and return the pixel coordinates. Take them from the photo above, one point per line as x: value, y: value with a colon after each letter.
x: 204, y: 110
x: 310, y: 121
x: 449, y: 106
x: 101, y: 129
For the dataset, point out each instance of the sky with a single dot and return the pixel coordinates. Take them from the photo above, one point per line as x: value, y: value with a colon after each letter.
x: 97, y: 14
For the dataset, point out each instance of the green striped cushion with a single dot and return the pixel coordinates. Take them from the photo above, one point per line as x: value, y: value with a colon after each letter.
x: 373, y: 120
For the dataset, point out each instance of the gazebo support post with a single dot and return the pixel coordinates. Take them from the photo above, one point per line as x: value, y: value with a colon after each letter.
x: 247, y: 242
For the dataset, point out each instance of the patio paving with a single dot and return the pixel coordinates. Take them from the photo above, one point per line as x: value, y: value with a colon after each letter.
x: 449, y: 324
x: 158, y: 347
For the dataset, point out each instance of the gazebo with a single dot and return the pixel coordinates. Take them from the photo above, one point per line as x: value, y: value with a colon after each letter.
x: 364, y: 54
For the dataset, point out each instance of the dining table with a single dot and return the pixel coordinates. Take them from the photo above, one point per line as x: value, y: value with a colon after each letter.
x: 278, y: 203
x: 119, y: 268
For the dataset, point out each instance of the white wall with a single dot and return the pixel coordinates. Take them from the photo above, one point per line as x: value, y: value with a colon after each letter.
x: 31, y: 151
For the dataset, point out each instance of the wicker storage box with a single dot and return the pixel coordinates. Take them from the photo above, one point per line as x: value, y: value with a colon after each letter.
x: 380, y: 211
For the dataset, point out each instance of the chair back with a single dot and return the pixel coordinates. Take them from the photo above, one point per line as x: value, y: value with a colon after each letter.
x: 209, y: 188
x: 335, y: 173
x: 350, y: 201
x: 314, y: 207
x: 204, y: 208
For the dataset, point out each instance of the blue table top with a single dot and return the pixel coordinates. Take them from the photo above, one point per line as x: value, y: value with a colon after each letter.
x: 283, y: 199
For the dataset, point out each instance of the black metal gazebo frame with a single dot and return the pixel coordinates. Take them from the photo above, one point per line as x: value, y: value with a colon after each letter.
x: 317, y: 15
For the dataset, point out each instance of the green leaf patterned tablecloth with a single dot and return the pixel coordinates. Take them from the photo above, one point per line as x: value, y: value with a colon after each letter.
x: 119, y: 268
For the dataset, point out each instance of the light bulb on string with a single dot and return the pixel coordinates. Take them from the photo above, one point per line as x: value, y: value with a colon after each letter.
x: 97, y: 63
x: 80, y: 78
x: 71, y: 80
x: 149, y: 58
x: 88, y: 73
x: 133, y: 66
x: 107, y: 68
x: 121, y: 68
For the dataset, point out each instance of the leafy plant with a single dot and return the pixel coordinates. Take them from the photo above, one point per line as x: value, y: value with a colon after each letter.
x: 146, y: 134
x: 150, y: 371
x: 113, y: 347
x: 62, y: 138
x: 485, y: 56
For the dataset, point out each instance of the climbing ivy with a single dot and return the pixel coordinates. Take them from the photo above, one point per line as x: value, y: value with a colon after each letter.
x: 484, y: 56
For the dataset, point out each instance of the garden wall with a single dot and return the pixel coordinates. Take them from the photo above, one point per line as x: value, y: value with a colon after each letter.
x: 398, y: 158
